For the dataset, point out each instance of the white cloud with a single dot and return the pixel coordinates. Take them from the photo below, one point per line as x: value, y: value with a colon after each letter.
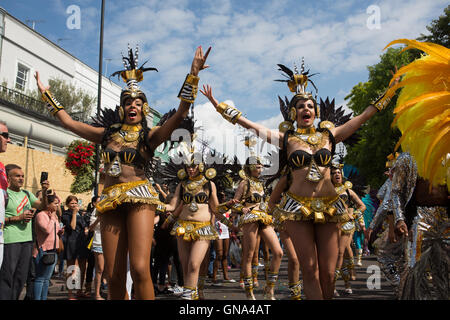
x: 249, y: 40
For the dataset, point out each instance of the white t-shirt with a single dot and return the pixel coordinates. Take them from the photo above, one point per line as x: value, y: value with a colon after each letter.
x: 97, y: 241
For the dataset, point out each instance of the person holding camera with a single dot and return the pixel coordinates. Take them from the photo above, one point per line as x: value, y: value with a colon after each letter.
x: 17, y: 234
x: 47, y: 230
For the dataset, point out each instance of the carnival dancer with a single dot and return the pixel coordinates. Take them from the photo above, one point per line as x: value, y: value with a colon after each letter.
x: 295, y: 284
x: 193, y: 222
x: 128, y: 203
x: 421, y: 205
x: 388, y: 250
x: 307, y: 208
x: 254, y: 220
x: 345, y: 263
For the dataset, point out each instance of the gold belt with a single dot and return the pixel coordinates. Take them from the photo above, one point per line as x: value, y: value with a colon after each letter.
x: 319, y: 206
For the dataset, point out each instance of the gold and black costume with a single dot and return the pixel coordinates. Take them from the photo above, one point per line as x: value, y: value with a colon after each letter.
x: 254, y: 195
x: 195, y: 191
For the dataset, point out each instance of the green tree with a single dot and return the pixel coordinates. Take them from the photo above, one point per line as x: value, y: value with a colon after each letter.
x: 378, y: 138
x: 439, y: 30
x: 76, y: 101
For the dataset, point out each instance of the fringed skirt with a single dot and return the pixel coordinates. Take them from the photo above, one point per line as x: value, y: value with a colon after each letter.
x: 129, y: 192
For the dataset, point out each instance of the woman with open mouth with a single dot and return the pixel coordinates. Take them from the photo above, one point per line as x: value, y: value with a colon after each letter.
x: 128, y: 203
x: 308, y: 208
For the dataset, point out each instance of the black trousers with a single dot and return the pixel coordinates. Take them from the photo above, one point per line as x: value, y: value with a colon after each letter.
x: 165, y: 248
x: 90, y: 267
x: 14, y: 271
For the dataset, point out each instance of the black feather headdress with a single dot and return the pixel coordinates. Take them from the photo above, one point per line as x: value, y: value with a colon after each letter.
x: 131, y: 75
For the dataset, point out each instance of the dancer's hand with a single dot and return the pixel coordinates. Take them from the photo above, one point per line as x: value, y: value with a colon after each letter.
x: 401, y: 229
x: 41, y: 87
x: 396, y: 80
x: 199, y: 61
x: 207, y: 92
x: 232, y: 202
x: 391, y: 235
x: 245, y: 210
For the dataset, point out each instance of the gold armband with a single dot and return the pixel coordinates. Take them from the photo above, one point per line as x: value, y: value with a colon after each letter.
x: 229, y: 113
x: 383, y: 100
x: 188, y: 91
x: 53, y: 105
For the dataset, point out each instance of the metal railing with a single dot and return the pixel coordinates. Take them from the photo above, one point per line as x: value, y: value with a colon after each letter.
x: 32, y: 104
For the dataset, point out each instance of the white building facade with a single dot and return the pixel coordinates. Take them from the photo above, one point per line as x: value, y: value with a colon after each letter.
x: 23, y: 51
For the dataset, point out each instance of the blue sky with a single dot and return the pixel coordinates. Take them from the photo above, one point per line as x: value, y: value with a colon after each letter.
x: 248, y: 38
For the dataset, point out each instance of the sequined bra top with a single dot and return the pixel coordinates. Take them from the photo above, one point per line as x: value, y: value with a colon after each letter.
x: 322, y: 157
x: 193, y: 191
x: 201, y: 197
x: 255, y: 192
x: 300, y: 158
x: 127, y: 156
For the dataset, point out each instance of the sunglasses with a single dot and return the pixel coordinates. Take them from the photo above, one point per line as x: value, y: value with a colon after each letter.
x: 5, y: 135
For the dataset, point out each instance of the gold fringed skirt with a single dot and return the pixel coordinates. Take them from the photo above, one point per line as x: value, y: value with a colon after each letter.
x: 255, y: 216
x: 194, y: 230
x: 317, y: 210
x: 129, y: 192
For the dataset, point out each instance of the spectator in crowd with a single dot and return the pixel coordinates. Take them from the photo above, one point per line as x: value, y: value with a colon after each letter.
x: 17, y: 234
x: 96, y: 249
x: 47, y: 242
x: 166, y: 247
x: 76, y: 231
x: 90, y: 258
x: 221, y: 247
x: 4, y: 139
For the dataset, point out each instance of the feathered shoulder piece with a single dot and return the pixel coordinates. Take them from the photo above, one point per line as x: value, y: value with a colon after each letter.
x: 422, y: 112
x: 331, y: 117
x: 107, y: 118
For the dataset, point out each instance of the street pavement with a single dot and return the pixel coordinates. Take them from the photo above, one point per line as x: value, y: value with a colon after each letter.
x: 364, y: 287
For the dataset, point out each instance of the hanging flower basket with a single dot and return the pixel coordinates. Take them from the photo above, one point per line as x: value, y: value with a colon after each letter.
x: 80, y: 161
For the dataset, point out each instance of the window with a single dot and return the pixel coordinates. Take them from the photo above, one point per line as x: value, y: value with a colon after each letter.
x: 22, y: 77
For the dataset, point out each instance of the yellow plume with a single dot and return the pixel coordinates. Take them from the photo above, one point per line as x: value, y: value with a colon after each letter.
x: 423, y: 109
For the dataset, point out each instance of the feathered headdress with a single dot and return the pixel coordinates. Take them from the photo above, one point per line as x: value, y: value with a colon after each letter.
x: 131, y: 75
x: 297, y: 83
x: 422, y: 110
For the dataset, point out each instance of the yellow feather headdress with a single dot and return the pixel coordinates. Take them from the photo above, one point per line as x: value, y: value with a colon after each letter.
x: 422, y: 110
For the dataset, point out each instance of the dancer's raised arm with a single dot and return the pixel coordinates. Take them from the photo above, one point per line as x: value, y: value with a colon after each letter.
x: 347, y: 129
x: 187, y: 96
x: 234, y: 116
x: 88, y: 132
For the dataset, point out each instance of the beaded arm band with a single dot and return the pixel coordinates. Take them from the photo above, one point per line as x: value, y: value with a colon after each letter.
x: 383, y: 100
x: 188, y: 91
x: 229, y: 113
x: 53, y: 105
